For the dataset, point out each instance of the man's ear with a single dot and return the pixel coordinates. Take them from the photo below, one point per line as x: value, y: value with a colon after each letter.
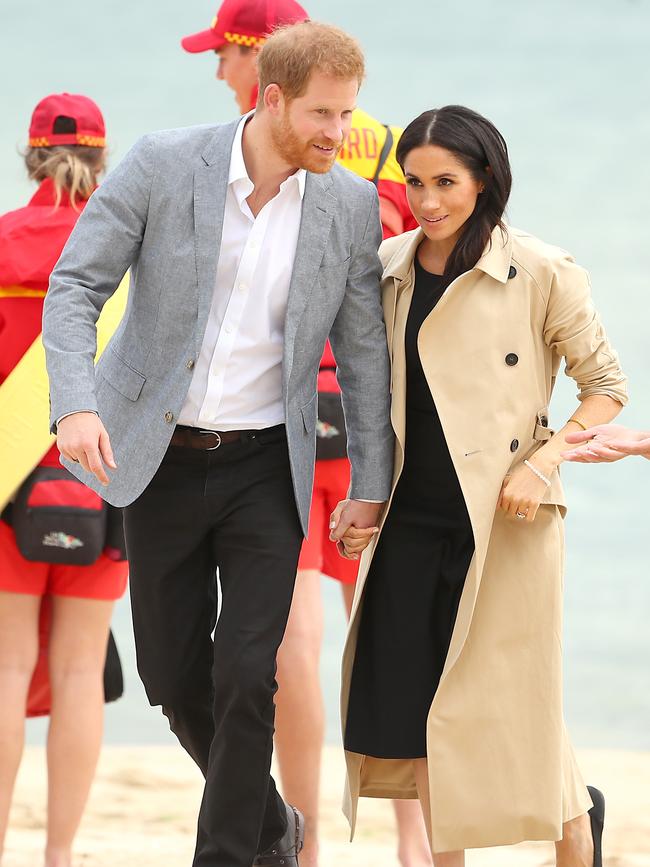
x: 273, y: 99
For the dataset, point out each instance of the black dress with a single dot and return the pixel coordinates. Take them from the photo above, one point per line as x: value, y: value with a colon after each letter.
x: 416, y: 577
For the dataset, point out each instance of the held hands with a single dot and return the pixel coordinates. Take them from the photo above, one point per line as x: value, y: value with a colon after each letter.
x: 607, y: 443
x: 82, y: 438
x: 521, y: 494
x: 353, y: 523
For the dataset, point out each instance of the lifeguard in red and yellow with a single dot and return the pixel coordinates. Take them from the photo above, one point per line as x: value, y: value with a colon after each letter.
x: 69, y: 605
x: 236, y: 34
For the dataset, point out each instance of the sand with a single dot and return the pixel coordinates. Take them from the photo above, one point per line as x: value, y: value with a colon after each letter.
x: 143, y: 807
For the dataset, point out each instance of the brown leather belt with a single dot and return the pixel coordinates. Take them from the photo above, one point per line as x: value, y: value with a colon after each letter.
x: 209, y: 440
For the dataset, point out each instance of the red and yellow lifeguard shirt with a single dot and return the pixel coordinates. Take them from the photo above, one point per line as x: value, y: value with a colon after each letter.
x: 360, y: 154
x: 31, y: 241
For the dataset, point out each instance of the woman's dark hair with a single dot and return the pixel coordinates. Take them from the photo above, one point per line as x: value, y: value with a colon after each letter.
x: 481, y: 148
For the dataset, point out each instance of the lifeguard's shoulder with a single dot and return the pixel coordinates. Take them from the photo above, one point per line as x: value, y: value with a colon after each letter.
x: 544, y: 262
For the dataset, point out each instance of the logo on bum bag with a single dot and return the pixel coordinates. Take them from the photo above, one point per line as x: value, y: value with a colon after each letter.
x: 58, y: 539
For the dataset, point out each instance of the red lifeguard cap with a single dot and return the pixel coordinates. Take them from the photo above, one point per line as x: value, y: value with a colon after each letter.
x: 244, y: 22
x: 85, y: 122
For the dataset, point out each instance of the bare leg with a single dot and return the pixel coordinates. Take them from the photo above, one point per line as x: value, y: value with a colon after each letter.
x: 18, y: 654
x: 440, y: 859
x: 348, y: 597
x: 299, y: 715
x: 77, y: 652
x: 576, y: 848
x: 413, y: 848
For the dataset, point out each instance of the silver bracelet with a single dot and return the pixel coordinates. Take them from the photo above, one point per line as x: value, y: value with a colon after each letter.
x: 539, y: 475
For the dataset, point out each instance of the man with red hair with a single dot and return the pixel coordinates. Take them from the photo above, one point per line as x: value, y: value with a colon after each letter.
x: 236, y: 35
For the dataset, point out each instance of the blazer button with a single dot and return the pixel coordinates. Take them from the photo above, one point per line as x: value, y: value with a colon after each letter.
x: 514, y: 445
x: 512, y: 272
x: 512, y: 359
x: 169, y: 417
x: 190, y: 364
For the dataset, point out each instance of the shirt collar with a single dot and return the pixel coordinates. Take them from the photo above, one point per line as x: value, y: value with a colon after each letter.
x: 46, y: 195
x: 238, y: 176
x: 495, y: 261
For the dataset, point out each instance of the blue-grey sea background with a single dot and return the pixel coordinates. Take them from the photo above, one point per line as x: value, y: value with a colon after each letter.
x: 567, y: 83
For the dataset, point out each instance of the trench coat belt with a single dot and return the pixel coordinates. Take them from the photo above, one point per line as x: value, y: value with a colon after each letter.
x: 208, y: 440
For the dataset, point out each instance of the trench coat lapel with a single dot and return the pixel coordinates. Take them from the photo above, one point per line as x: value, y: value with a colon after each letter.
x: 210, y: 188
x: 318, y: 207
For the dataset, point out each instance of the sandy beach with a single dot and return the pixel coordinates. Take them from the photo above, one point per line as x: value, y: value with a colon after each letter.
x: 143, y: 808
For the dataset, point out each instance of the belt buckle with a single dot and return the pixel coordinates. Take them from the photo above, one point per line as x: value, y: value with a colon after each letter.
x: 211, y: 433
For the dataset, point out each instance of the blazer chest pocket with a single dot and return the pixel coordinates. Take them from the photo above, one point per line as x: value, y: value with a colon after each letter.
x: 121, y: 376
x: 330, y: 268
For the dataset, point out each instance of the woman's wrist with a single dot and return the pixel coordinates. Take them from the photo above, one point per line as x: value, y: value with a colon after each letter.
x: 536, y: 471
x: 546, y: 460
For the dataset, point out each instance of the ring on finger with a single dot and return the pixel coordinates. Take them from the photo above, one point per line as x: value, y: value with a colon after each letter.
x: 521, y: 516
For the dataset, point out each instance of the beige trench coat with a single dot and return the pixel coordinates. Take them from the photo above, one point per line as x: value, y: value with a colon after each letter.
x: 501, y: 768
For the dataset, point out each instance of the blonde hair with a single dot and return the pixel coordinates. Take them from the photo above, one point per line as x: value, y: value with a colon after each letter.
x: 293, y: 52
x: 73, y: 168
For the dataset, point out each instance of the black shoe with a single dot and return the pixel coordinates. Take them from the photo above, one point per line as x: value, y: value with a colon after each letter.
x: 284, y: 852
x: 597, y: 819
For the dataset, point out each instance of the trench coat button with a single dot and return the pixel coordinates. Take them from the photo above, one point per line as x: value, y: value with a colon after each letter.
x: 514, y: 445
x: 511, y: 359
x: 512, y: 272
x: 190, y: 364
x: 169, y: 417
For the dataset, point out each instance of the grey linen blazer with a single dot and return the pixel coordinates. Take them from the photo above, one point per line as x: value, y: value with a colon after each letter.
x: 160, y: 213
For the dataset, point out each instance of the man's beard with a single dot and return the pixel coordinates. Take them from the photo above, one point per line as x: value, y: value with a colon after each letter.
x: 299, y: 153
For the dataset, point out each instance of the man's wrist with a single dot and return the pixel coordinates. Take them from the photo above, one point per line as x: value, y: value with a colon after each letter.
x: 74, y: 412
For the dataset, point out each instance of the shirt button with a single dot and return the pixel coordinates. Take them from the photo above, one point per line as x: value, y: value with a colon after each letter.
x: 228, y: 329
x: 169, y: 417
x: 514, y: 445
x: 190, y: 364
x: 243, y: 287
x: 512, y: 272
x: 512, y: 359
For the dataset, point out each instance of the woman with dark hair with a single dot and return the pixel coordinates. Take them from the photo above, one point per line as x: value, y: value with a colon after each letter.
x: 452, y: 686
x: 57, y: 584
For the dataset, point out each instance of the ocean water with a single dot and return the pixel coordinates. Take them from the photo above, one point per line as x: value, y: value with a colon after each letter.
x: 567, y: 84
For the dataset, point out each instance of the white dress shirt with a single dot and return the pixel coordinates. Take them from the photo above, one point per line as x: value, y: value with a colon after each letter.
x: 237, y: 380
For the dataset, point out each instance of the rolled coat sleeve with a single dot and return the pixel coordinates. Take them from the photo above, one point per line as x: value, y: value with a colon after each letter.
x: 574, y: 331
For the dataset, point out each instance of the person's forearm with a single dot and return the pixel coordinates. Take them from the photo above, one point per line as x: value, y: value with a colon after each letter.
x: 594, y: 410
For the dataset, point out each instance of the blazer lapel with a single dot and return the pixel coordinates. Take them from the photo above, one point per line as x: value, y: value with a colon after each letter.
x: 210, y: 187
x: 318, y: 208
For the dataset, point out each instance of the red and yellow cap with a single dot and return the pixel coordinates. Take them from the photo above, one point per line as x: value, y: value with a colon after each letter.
x: 67, y: 119
x: 244, y: 22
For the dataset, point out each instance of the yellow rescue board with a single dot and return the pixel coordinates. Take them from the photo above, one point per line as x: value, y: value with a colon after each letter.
x: 25, y: 406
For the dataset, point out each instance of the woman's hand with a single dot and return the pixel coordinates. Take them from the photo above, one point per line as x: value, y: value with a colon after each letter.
x: 355, y: 541
x: 607, y: 443
x: 521, y: 494
x: 353, y: 523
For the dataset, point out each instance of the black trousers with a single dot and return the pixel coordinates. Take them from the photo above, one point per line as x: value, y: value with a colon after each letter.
x: 232, y: 509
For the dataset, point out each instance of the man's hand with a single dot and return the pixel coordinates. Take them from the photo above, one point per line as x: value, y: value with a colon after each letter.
x: 82, y: 438
x: 357, y: 521
x: 606, y: 443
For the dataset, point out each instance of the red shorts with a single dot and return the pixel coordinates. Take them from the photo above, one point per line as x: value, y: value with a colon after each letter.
x: 103, y: 579
x: 331, y: 482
